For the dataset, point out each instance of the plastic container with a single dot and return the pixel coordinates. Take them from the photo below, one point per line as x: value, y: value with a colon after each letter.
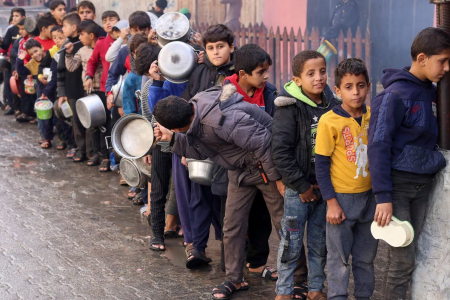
x: 66, y: 110
x: 327, y: 50
x: 44, y: 109
x: 30, y: 86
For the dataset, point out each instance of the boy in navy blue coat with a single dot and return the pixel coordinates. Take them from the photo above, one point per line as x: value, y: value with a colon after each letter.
x: 402, y: 150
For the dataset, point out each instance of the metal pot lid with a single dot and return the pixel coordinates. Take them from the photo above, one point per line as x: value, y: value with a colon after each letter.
x: 176, y: 61
x: 130, y: 172
x: 153, y: 19
x: 30, y: 24
x: 172, y: 26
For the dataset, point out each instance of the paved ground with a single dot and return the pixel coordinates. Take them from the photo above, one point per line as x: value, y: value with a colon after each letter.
x: 68, y: 232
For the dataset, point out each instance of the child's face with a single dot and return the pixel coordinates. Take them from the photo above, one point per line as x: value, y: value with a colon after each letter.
x: 36, y: 53
x: 46, y: 31
x: 108, y: 23
x: 23, y: 33
x: 17, y: 17
x: 134, y: 31
x: 69, y: 30
x: 86, y: 38
x: 435, y: 66
x: 353, y: 91
x: 115, y: 34
x: 259, y: 76
x: 313, y: 78
x: 219, y: 53
x: 58, y: 38
x: 86, y: 13
x: 59, y: 12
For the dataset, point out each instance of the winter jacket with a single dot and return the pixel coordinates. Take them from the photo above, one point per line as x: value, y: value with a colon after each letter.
x: 233, y: 133
x: 345, y: 15
x: 117, y: 68
x: 162, y: 89
x: 32, y: 68
x: 12, y: 34
x: 291, y: 135
x: 130, y: 104
x: 81, y: 58
x: 69, y: 84
x: 403, y: 131
x: 97, y: 57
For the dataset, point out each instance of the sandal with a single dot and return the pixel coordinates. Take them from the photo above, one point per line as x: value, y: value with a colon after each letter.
x: 61, y: 146
x: 173, y: 234
x: 41, y: 141
x: 79, y: 157
x: 71, y: 153
x: 227, y: 288
x: 94, y: 160
x: 137, y: 200
x: 301, y: 290
x: 266, y: 273
x: 32, y: 120
x: 17, y: 113
x: 122, y: 181
x: 104, y: 166
x: 46, y: 144
x: 197, y: 259
x: 133, y: 192
x: 22, y: 118
x: 320, y: 296
x: 157, y: 241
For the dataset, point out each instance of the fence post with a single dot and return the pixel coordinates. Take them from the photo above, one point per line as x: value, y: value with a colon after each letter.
x: 237, y: 35
x: 243, y: 42
x: 340, y: 48
x: 315, y: 38
x: 278, y: 56
x: 272, y: 54
x: 249, y: 33
x: 358, y: 46
x: 255, y: 34
x: 299, y: 40
x: 285, y: 56
x: 291, y: 52
x: 306, y: 39
x: 349, y: 43
x: 367, y: 57
x: 263, y: 37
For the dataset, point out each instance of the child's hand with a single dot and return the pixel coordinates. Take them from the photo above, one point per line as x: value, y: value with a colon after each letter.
x: 383, y: 214
x: 152, y: 37
x: 148, y: 160
x: 197, y: 39
x: 183, y: 161
x: 201, y: 57
x: 88, y: 85
x: 110, y: 101
x: 43, y: 79
x: 69, y: 48
x: 309, y: 195
x: 22, y: 55
x: 335, y: 214
x: 61, y: 100
x: 162, y: 134
x: 120, y: 110
x: 124, y: 33
x: 15, y: 74
x: 154, y: 71
x: 281, y: 187
x: 44, y: 97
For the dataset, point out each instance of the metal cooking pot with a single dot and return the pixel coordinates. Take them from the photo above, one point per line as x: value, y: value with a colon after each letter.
x: 5, y: 65
x: 176, y: 61
x: 117, y: 91
x: 153, y: 19
x: 91, y: 111
x: 132, y: 136
x: 143, y: 167
x: 64, y: 112
x: 30, y: 26
x: 200, y: 171
x: 131, y: 174
x: 172, y: 26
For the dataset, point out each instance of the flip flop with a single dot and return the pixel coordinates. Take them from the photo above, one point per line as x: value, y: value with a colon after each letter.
x: 197, y: 259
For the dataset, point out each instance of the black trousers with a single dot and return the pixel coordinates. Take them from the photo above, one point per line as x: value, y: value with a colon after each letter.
x: 98, y: 137
x: 79, y: 132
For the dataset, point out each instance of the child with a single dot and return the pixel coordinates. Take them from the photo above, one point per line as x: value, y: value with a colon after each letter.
x: 342, y: 172
x: 70, y: 85
x: 45, y: 24
x: 120, y: 33
x: 58, y: 10
x: 86, y: 11
x: 300, y: 105
x: 402, y: 148
x: 158, y: 9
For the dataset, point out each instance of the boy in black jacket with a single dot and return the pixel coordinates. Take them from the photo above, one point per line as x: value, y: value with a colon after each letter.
x: 70, y: 85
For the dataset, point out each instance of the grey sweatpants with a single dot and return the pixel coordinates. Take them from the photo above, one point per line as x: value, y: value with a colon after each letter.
x: 353, y: 237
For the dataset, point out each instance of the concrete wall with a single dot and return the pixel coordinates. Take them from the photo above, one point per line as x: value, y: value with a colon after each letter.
x: 431, y: 278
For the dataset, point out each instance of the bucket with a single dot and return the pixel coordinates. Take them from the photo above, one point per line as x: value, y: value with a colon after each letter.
x: 44, y: 109
x: 30, y: 86
x: 327, y: 50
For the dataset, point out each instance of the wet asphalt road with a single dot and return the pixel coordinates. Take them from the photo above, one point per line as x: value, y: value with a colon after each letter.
x: 69, y: 232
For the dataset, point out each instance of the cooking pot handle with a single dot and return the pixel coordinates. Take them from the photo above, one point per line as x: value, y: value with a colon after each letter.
x: 107, y: 144
x: 102, y: 129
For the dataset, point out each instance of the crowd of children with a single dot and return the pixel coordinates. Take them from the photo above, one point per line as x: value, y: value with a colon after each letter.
x: 297, y: 159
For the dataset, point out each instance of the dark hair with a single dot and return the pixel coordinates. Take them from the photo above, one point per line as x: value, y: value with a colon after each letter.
x: 217, y: 33
x: 19, y: 10
x: 146, y: 54
x: 139, y: 20
x: 249, y: 57
x: 110, y: 14
x: 430, y: 41
x: 89, y: 27
x: 173, y: 112
x: 72, y: 19
x: 137, y: 40
x: 57, y: 28
x: 86, y: 4
x: 21, y: 22
x: 31, y: 43
x: 46, y: 20
x: 352, y: 66
x: 73, y: 9
x: 55, y: 3
x: 298, y: 62
x: 10, y: 19
x: 161, y: 4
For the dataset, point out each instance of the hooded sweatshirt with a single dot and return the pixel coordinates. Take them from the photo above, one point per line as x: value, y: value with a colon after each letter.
x: 403, y: 130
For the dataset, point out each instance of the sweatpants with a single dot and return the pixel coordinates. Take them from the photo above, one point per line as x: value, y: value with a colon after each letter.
x: 98, y: 137
x: 26, y: 100
x: 353, y: 237
x: 7, y: 89
x: 79, y: 132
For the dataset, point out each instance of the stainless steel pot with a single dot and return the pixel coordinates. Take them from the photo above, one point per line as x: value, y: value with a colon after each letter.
x: 172, y: 26
x: 117, y: 91
x: 132, y: 136
x: 201, y: 171
x: 131, y: 174
x: 5, y: 65
x: 176, y: 61
x: 143, y: 167
x: 91, y: 111
x: 153, y: 19
x: 30, y: 25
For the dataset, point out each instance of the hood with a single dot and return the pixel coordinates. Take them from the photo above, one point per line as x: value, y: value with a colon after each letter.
x: 341, y: 112
x: 393, y: 75
x: 292, y: 91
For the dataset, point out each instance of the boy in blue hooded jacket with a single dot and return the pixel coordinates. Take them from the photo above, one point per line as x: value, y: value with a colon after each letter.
x: 402, y: 150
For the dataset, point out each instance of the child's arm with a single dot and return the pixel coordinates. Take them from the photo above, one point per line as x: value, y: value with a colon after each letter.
x: 21, y: 69
x: 73, y: 62
x: 162, y: 89
x: 116, y: 69
x: 128, y: 97
x: 113, y: 51
x: 61, y: 77
x: 51, y: 86
x: 92, y: 65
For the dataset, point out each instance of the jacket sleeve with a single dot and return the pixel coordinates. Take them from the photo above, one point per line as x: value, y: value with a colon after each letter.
x: 7, y: 40
x: 387, y: 114
x: 181, y: 147
x: 61, y: 76
x: 93, y: 61
x: 113, y: 51
x: 21, y: 69
x: 162, y: 89
x: 50, y: 87
x: 73, y: 62
x: 116, y: 69
x: 128, y: 96
x: 254, y: 137
x: 283, y: 150
x: 323, y: 164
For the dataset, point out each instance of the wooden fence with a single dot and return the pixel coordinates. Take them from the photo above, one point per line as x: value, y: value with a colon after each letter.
x: 283, y: 46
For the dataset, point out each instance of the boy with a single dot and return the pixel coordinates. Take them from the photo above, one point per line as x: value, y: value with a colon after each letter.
x: 158, y: 9
x: 58, y: 10
x: 342, y: 172
x: 86, y: 11
x: 300, y: 105
x: 70, y: 84
x: 120, y: 33
x: 45, y: 24
x: 402, y: 148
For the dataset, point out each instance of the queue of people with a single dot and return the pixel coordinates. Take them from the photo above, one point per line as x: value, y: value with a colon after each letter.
x: 296, y: 159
